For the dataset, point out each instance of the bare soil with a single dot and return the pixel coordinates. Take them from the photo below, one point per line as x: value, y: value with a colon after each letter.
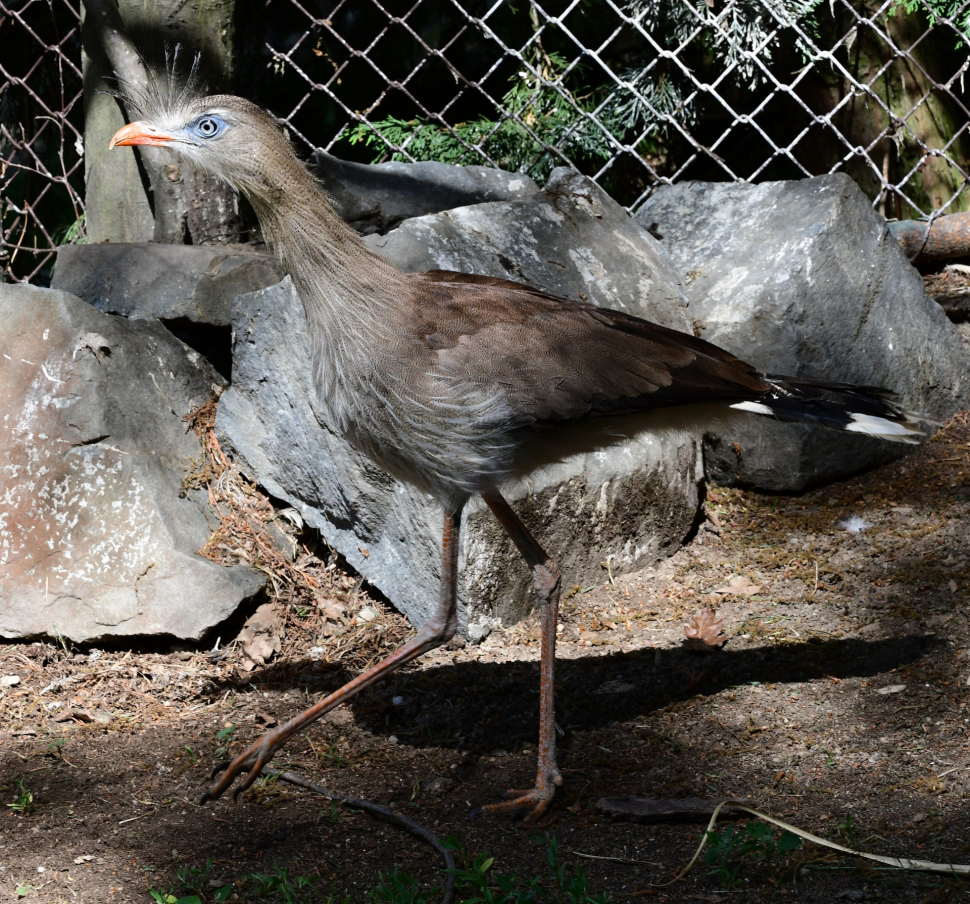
x: 842, y: 691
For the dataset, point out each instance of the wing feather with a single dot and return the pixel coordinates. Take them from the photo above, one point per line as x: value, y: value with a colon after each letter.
x: 558, y: 360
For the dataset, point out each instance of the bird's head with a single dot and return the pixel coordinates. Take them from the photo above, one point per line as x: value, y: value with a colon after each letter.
x: 221, y: 134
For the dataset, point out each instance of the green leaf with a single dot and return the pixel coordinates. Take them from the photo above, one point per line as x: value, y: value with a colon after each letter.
x: 759, y: 830
x: 788, y: 841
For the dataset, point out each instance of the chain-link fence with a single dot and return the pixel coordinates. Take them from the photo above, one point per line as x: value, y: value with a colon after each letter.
x: 632, y: 92
x: 41, y: 133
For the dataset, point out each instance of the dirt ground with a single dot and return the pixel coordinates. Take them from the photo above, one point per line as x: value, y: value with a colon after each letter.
x: 839, y: 704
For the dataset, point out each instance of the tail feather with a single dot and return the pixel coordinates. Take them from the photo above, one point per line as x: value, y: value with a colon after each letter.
x: 869, y: 410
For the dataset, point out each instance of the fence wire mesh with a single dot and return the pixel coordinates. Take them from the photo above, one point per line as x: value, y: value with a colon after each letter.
x: 41, y: 133
x: 635, y: 93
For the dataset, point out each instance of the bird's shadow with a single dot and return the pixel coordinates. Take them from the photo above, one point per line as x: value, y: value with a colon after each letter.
x: 482, y: 706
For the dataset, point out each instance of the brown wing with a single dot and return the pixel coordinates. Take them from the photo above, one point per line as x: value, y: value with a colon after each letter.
x: 560, y: 360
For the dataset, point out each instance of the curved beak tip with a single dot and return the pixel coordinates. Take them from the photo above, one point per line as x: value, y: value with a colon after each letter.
x: 139, y: 133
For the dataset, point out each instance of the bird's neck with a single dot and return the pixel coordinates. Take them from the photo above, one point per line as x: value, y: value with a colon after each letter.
x: 342, y: 283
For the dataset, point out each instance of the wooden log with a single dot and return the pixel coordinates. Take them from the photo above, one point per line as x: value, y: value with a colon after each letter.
x: 947, y: 238
x: 183, y: 206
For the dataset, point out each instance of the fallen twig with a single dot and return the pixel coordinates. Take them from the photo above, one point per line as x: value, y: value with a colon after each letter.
x: 615, y: 859
x: 367, y: 806
x: 897, y: 862
x: 139, y: 816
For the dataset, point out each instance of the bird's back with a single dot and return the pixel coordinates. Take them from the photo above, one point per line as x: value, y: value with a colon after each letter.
x: 463, y: 371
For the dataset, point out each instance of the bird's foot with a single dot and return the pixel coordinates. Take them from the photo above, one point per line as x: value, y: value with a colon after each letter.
x: 251, y: 761
x: 531, y: 804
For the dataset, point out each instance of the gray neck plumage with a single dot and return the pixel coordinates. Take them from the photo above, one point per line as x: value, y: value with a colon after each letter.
x: 349, y: 293
x: 342, y: 283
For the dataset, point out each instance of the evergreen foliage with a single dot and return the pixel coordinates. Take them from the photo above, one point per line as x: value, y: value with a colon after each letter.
x: 550, y: 114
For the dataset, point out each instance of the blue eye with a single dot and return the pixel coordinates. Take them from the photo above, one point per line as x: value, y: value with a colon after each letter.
x: 208, y: 126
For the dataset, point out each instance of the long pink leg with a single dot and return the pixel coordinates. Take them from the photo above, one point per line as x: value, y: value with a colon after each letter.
x: 545, y: 579
x: 437, y: 630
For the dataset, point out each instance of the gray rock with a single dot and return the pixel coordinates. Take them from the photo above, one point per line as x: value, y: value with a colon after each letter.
x: 803, y: 278
x: 571, y: 240
x: 95, y: 541
x: 631, y: 503
x: 147, y: 281
x: 376, y: 198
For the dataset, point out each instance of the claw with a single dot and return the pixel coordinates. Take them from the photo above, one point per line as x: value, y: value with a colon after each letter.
x: 527, y: 806
x: 476, y: 812
x: 251, y: 761
x: 219, y: 767
x: 253, y: 774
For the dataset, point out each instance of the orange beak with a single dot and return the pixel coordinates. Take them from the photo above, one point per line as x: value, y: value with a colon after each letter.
x: 140, y: 133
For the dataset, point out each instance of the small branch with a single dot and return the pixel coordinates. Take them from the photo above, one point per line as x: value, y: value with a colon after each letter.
x: 384, y: 813
x: 953, y: 869
x: 123, y: 57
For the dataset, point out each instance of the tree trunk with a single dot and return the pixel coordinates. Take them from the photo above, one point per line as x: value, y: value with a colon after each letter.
x: 921, y: 119
x: 139, y: 195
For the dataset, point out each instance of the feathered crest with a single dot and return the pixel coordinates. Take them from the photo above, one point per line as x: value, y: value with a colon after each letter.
x: 160, y: 98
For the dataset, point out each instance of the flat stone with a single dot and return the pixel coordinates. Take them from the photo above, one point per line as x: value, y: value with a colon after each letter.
x: 189, y: 288
x: 803, y: 278
x: 632, y: 503
x: 571, y: 240
x: 148, y: 281
x: 95, y: 540
x: 375, y: 198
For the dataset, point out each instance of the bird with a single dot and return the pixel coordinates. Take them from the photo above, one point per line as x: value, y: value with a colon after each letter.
x: 446, y: 379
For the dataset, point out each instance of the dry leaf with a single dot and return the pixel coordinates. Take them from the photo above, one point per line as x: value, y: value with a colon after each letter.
x: 260, y: 635
x: 262, y: 647
x: 704, y: 631
x: 332, y: 609
x: 891, y: 689
x: 78, y: 715
x: 740, y: 585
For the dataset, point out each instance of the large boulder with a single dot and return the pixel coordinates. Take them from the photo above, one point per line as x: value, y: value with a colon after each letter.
x: 630, y: 504
x: 98, y: 537
x: 571, y: 240
x: 803, y: 278
x: 377, y: 197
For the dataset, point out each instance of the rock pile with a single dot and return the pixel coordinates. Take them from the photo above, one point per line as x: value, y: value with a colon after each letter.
x: 98, y: 534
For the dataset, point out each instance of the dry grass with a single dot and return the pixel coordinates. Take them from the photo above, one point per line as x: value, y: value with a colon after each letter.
x: 317, y: 599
